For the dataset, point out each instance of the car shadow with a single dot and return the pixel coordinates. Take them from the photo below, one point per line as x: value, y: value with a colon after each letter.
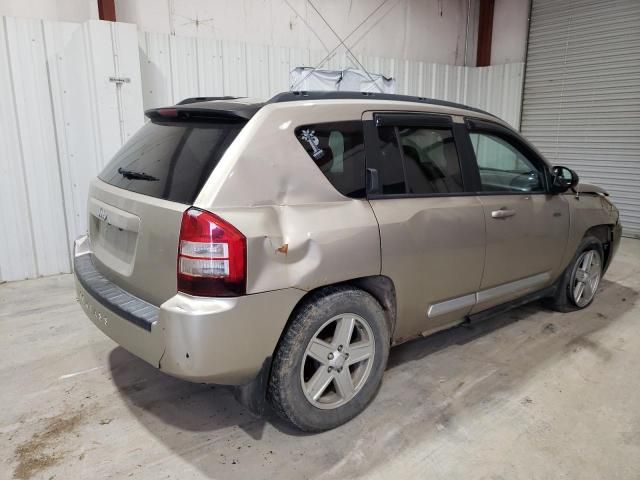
x: 429, y: 381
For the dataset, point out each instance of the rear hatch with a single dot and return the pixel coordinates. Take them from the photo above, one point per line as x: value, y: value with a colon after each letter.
x: 136, y: 204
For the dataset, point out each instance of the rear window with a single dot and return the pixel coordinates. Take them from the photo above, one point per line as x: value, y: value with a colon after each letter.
x: 338, y: 150
x: 171, y: 161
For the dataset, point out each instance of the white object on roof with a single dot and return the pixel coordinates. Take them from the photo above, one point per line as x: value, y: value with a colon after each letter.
x: 349, y: 80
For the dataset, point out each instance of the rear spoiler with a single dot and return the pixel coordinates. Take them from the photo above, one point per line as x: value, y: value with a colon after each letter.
x: 187, y: 101
x: 205, y: 109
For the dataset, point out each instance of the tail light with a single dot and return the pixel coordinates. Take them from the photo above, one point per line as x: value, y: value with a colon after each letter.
x: 211, y: 256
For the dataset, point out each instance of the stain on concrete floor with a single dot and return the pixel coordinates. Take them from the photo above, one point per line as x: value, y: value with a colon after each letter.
x: 43, y: 450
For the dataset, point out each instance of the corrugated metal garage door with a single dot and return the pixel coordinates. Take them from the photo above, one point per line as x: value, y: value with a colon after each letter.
x: 581, y: 103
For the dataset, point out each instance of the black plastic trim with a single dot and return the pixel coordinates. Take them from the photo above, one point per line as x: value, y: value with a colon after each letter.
x: 466, y: 157
x: 412, y: 120
x: 214, y: 111
x: 380, y: 196
x: 189, y: 100
x: 111, y: 296
x: 371, y: 153
x: 312, y: 95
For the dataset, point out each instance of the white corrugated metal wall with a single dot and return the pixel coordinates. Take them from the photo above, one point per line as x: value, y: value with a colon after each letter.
x: 174, y: 68
x: 63, y: 118
x: 61, y: 121
x: 582, y: 94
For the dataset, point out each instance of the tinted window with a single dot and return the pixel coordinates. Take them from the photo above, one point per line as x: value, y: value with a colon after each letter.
x: 425, y: 158
x: 338, y: 151
x: 503, y: 167
x: 391, y: 171
x: 430, y: 160
x: 171, y: 161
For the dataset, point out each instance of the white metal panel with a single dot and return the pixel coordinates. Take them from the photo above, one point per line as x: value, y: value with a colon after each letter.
x: 17, y: 253
x: 258, y: 71
x: 582, y: 94
x: 184, y: 67
x: 127, y: 66
x: 73, y: 116
x: 210, y: 68
x: 104, y: 99
x: 63, y: 119
x: 279, y: 68
x: 234, y: 65
x: 37, y: 140
x: 155, y: 66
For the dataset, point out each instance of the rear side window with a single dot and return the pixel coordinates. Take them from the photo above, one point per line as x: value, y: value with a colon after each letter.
x: 418, y: 160
x: 338, y: 150
x: 170, y: 160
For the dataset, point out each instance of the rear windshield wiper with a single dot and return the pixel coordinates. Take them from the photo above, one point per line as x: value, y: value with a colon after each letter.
x: 131, y: 175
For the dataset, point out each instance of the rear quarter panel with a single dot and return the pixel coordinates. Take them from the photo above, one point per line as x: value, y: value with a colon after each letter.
x: 301, y: 232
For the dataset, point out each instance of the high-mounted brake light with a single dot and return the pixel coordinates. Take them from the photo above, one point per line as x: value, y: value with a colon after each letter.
x: 168, y: 112
x: 211, y: 256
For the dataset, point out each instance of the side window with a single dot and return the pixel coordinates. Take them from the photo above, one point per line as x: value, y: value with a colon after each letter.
x: 418, y: 160
x: 338, y: 150
x: 503, y: 168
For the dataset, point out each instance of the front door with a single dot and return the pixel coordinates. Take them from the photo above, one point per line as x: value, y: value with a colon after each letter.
x: 432, y: 229
x: 527, y: 227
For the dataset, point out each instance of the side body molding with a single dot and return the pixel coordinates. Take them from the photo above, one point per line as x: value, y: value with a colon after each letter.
x: 523, y: 285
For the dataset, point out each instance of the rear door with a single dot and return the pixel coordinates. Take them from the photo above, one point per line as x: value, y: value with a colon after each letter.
x: 527, y: 227
x: 431, y: 226
x: 136, y: 204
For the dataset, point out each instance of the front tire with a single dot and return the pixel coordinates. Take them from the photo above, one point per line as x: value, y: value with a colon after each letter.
x: 330, y: 362
x: 581, y: 279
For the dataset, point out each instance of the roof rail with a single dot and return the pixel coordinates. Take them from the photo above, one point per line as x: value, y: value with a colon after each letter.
x: 189, y: 100
x: 322, y: 95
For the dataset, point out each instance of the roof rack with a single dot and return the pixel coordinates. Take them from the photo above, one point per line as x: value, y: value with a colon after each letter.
x: 320, y: 95
x: 189, y: 100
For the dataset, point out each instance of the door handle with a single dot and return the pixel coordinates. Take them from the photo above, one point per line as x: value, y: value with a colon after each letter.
x: 503, y: 213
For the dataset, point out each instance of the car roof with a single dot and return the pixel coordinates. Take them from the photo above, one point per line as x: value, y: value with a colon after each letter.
x: 245, y: 108
x: 368, y: 96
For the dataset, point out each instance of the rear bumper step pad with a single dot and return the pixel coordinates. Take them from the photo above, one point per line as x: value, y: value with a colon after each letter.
x: 107, y: 293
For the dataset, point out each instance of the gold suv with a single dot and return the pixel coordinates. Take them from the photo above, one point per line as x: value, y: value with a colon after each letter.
x: 284, y: 247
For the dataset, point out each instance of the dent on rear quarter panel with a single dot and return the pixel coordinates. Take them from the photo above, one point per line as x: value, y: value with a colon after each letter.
x: 300, y: 231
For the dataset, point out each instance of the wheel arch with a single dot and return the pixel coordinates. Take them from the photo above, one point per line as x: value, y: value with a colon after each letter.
x: 604, y: 233
x: 380, y: 287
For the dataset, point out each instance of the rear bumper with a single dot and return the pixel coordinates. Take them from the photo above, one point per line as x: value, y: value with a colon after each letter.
x: 211, y: 340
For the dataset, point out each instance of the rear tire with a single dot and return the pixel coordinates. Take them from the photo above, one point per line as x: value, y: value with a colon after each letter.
x: 330, y: 362
x: 580, y: 280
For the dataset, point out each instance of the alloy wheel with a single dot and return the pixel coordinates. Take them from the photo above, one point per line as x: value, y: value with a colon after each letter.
x: 586, y: 277
x: 337, y: 361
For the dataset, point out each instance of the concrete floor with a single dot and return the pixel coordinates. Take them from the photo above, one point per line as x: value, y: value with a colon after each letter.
x: 529, y: 394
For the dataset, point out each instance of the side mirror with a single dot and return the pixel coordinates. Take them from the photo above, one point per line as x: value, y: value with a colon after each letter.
x: 563, y: 179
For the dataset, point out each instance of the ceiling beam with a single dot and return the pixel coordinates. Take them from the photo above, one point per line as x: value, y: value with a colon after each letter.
x: 485, y: 33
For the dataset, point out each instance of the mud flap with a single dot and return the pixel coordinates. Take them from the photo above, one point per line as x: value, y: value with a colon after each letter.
x: 253, y: 395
